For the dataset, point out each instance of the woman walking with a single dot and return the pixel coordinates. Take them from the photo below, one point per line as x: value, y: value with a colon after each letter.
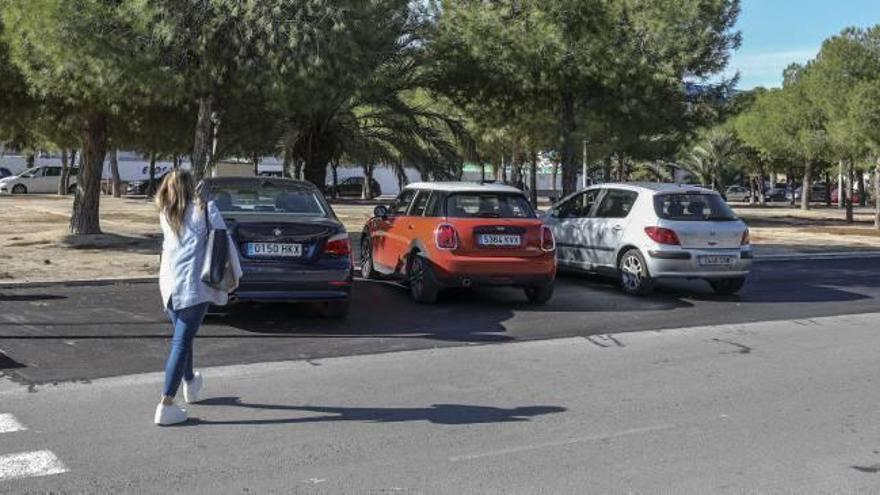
x: 186, y: 220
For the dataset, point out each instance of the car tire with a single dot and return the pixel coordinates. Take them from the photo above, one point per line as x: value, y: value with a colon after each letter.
x: 19, y: 189
x: 633, y: 274
x: 337, y: 310
x: 727, y: 286
x: 368, y: 270
x: 422, y: 286
x: 539, y: 294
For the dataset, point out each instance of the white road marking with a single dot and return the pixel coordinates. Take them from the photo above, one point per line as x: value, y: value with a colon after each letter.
x: 30, y: 464
x: 561, y: 443
x: 9, y: 424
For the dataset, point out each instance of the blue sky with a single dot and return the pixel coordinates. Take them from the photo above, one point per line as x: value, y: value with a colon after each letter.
x: 779, y: 32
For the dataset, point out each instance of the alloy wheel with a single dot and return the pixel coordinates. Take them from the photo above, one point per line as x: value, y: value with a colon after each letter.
x: 632, y: 272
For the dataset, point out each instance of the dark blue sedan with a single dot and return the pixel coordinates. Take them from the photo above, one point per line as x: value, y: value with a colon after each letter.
x: 292, y: 246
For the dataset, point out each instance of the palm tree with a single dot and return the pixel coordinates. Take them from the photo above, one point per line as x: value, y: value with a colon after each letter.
x: 712, y: 159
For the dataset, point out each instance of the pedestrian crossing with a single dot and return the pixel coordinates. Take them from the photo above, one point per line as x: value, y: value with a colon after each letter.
x: 25, y: 464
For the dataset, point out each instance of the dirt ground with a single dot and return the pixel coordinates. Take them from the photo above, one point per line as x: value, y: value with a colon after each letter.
x: 35, y: 245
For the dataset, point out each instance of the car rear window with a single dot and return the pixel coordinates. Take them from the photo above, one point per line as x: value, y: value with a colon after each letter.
x: 268, y: 199
x: 488, y: 205
x: 693, y: 207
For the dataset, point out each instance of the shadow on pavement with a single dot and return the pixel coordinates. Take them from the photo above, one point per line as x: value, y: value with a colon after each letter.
x: 442, y: 414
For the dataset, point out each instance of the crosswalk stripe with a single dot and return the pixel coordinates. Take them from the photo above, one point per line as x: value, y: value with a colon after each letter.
x: 8, y: 423
x: 30, y: 464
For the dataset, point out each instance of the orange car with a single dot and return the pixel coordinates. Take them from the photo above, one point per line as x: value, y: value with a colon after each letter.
x: 442, y: 235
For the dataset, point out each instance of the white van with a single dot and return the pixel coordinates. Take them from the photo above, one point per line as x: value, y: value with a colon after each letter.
x: 38, y: 180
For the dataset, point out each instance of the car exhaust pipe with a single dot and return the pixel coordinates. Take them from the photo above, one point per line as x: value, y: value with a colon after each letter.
x: 466, y: 282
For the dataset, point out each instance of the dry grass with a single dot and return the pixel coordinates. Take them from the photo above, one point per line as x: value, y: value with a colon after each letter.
x: 35, y: 245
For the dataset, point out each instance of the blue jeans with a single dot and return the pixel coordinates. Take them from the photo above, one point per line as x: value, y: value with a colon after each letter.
x: 186, y: 323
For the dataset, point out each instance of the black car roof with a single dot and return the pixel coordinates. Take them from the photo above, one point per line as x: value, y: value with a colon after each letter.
x: 258, y: 181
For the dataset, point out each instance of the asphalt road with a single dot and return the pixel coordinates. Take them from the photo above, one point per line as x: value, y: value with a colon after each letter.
x: 57, y: 334
x: 784, y: 407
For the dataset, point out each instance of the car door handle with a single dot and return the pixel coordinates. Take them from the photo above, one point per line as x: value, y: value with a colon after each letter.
x: 410, y: 227
x: 617, y: 228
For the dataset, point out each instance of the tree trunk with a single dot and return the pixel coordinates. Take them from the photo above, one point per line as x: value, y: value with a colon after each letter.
x: 203, y: 138
x: 554, y: 172
x: 516, y: 160
x: 806, y: 186
x: 827, y: 189
x: 568, y: 145
x: 841, y: 200
x: 848, y: 188
x: 877, y: 195
x: 85, y: 219
x: 65, y: 171
x: 863, y: 190
x: 29, y: 160
x: 367, y: 190
x: 255, y: 160
x: 151, y: 185
x: 533, y: 180
x: 114, y: 173
x: 752, y: 190
x: 762, y: 199
x: 606, y: 169
x: 175, y: 163
x: 334, y: 168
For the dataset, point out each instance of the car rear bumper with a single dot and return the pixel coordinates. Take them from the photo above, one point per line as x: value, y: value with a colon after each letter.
x: 277, y: 282
x: 466, y: 271
x: 666, y: 262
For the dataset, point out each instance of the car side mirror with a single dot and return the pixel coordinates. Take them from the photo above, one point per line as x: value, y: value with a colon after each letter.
x: 381, y: 211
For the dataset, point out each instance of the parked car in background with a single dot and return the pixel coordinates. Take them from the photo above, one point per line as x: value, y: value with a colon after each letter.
x: 835, y: 196
x: 5, y: 172
x: 817, y: 193
x: 353, y: 187
x: 777, y: 192
x: 642, y: 232
x: 292, y: 246
x: 455, y: 234
x: 38, y: 180
x: 144, y: 187
x: 738, y: 194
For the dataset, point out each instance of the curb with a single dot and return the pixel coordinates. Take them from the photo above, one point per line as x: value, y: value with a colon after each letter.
x: 833, y: 255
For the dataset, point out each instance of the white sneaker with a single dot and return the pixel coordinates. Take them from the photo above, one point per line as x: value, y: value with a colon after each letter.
x: 192, y: 388
x: 169, y: 415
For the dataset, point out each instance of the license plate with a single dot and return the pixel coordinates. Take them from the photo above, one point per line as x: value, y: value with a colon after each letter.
x: 504, y: 240
x: 274, y: 249
x: 716, y: 260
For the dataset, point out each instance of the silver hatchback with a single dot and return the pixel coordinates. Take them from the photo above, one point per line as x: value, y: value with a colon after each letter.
x: 642, y: 232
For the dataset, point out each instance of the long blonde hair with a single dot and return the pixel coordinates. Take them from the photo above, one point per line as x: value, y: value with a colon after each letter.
x: 177, y: 192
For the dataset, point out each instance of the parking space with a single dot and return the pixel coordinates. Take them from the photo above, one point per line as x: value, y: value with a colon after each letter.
x: 80, y: 333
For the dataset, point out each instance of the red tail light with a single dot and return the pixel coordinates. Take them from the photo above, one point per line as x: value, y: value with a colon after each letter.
x: 338, y: 245
x: 746, y: 239
x: 548, y: 242
x: 663, y: 236
x: 446, y: 237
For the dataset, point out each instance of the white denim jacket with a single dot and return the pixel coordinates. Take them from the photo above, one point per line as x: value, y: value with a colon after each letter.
x: 183, y: 256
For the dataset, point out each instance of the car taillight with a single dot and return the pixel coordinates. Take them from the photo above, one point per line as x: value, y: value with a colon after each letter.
x: 746, y: 238
x: 446, y: 237
x: 548, y: 242
x: 338, y: 245
x: 663, y: 236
